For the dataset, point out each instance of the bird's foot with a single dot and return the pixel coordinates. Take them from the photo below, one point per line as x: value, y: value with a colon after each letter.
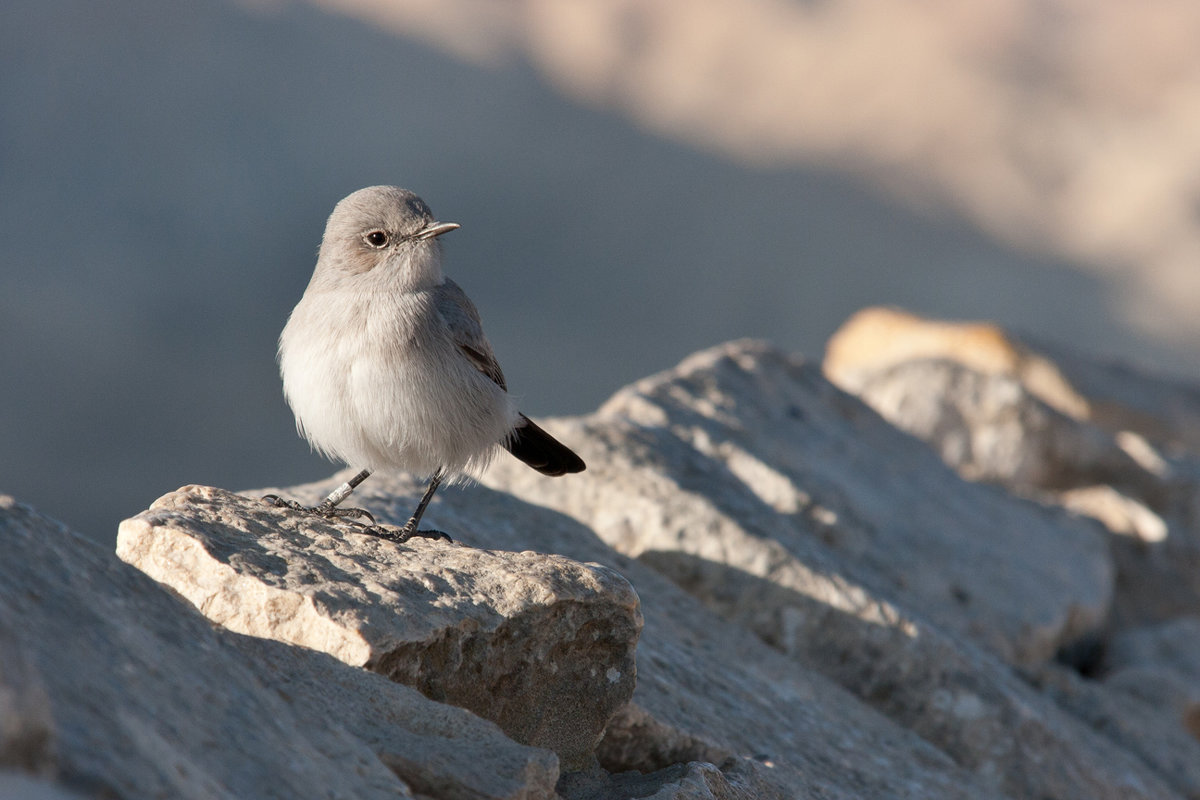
x: 326, y: 510
x: 353, y: 515
x: 402, y: 535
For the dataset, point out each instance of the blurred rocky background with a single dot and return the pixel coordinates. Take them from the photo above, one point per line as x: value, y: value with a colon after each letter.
x: 635, y: 181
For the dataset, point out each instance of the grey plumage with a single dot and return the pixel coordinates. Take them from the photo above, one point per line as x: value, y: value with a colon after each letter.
x: 384, y: 359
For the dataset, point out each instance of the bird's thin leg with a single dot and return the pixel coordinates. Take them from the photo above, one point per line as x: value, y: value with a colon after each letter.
x: 410, y: 527
x: 328, y: 507
x: 342, y: 492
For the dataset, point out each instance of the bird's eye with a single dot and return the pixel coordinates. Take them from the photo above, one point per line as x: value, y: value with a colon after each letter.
x: 377, y: 239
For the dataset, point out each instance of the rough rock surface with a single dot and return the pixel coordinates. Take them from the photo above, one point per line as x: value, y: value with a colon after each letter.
x: 112, y: 687
x: 709, y: 692
x: 1173, y: 646
x: 829, y: 609
x: 1112, y: 396
x: 744, y: 457
x: 1121, y: 397
x: 1145, y: 714
x: 1125, y: 454
x: 990, y: 427
x: 542, y: 645
x: 794, y: 510
x: 1160, y: 665
x: 875, y: 339
x: 14, y: 786
x: 437, y: 749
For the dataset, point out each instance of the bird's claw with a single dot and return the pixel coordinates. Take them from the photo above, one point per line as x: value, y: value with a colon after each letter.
x: 353, y: 515
x: 278, y: 502
x: 402, y: 535
x: 321, y: 510
x: 350, y: 514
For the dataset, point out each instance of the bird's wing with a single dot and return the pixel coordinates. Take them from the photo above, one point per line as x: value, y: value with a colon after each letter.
x: 462, y: 319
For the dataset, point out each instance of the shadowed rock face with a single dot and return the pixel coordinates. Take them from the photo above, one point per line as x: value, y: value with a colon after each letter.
x: 111, y: 686
x: 1102, y: 439
x: 745, y: 457
x: 540, y: 644
x: 818, y: 606
x: 793, y: 509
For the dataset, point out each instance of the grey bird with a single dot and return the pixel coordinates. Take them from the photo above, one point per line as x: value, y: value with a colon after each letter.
x: 385, y: 364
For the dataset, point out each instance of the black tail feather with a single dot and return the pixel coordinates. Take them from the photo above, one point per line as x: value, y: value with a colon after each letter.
x: 542, y: 451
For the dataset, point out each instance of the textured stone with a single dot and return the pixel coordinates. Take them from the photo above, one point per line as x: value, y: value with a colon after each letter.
x: 22, y: 787
x: 110, y: 683
x: 1148, y: 712
x: 796, y: 512
x: 1144, y: 413
x: 1173, y: 645
x: 695, y: 780
x: 830, y: 611
x: 708, y: 691
x: 1118, y: 513
x: 1122, y: 397
x: 121, y: 690
x: 875, y: 339
x: 1159, y: 665
x: 990, y: 427
x: 992, y: 420
x: 1117, y: 398
x: 438, y: 750
x: 701, y: 781
x: 743, y: 457
x: 1121, y: 457
x: 26, y: 711
x: 542, y: 645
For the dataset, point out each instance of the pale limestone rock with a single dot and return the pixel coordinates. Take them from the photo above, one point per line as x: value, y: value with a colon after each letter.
x: 992, y: 428
x: 875, y: 339
x: 993, y: 421
x: 744, y: 458
x: 708, y: 691
x: 1121, y: 397
x: 995, y: 426
x: 124, y: 691
x: 439, y: 750
x: 110, y: 683
x: 838, y: 553
x: 540, y: 644
x: 1122, y: 515
x: 1146, y: 711
x: 795, y: 511
x: 1112, y: 396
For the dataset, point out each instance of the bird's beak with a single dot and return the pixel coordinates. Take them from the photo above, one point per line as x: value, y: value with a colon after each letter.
x: 436, y: 229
